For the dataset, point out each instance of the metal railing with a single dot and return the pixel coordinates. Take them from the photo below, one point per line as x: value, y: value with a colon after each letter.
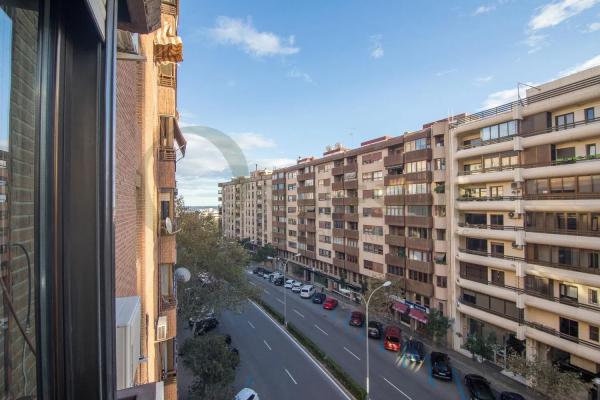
x: 480, y: 143
x: 562, y: 300
x: 492, y: 227
x: 561, y: 335
x: 557, y: 231
x: 488, y: 254
x: 489, y: 310
x: 488, y: 198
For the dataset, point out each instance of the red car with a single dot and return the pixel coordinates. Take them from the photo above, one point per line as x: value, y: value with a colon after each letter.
x: 357, y: 318
x: 330, y: 303
x: 392, y: 338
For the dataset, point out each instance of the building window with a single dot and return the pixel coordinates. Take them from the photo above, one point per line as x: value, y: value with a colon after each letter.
x: 495, y: 191
x: 594, y: 333
x: 590, y: 150
x: 442, y: 281
x: 564, y: 121
x: 569, y: 327
x: 496, y: 220
x: 439, y: 164
x: 592, y: 296
x: 497, y: 277
x: 589, y: 114
x: 568, y: 292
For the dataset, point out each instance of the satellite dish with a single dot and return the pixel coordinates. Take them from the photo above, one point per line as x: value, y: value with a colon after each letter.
x: 168, y: 225
x: 183, y: 274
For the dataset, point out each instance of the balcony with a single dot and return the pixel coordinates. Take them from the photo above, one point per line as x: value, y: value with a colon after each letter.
x: 424, y: 289
x: 351, y: 233
x: 420, y: 266
x: 393, y: 200
x: 565, y: 306
x: 304, y: 176
x: 393, y: 160
x: 337, y: 170
x: 552, y: 264
x: 337, y: 185
x: 351, y: 251
x: 306, y: 189
x: 419, y: 243
x: 337, y: 201
x: 279, y: 213
x: 338, y: 232
x: 352, y: 266
x: 168, y: 250
x: 166, y: 175
x: 392, y: 259
x: 423, y: 199
x: 593, y: 346
x: 493, y: 255
x: 338, y: 247
x: 351, y: 217
x: 311, y: 228
x: 395, y: 240
x: 337, y: 216
x: 422, y: 176
x: 562, y: 196
x: 339, y: 262
x: 351, y: 167
x: 306, y: 202
x: 393, y: 179
x: 396, y: 220
x: 488, y: 198
x: 419, y: 222
x: 417, y: 155
x: 352, y: 184
x: 167, y: 154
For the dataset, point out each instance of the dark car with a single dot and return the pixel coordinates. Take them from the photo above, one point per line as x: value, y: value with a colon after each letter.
x: 318, y: 298
x: 479, y: 387
x: 205, y: 325
x: 278, y: 281
x: 440, y: 366
x: 375, y: 329
x: 414, y: 350
x: 357, y: 318
x: 511, y: 396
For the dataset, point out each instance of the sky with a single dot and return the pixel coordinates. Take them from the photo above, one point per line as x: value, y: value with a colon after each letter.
x: 286, y: 79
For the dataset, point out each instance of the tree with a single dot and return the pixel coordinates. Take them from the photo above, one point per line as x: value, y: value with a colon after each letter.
x: 217, y: 265
x: 547, y: 378
x: 480, y: 345
x: 213, y: 364
x: 264, y: 252
x: 381, y: 303
x: 437, y: 325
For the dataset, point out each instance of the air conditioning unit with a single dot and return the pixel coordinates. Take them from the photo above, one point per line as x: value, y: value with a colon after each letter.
x: 128, y: 321
x: 514, y: 215
x: 515, y: 185
x: 517, y: 246
x: 161, y: 328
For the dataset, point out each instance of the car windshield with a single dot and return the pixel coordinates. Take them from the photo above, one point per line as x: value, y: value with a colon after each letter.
x: 392, y: 339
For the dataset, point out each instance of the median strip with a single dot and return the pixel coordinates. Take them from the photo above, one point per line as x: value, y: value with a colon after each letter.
x: 342, y: 377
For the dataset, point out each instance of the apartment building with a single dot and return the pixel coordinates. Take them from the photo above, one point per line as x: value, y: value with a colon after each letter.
x: 358, y: 216
x: 246, y: 208
x: 148, y: 145
x: 525, y: 247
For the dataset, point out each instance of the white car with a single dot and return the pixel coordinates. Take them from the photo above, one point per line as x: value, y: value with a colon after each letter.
x: 297, y: 287
x: 246, y: 394
x: 307, y: 291
x: 289, y: 283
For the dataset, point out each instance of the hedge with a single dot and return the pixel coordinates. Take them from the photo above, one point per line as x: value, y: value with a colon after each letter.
x: 342, y: 376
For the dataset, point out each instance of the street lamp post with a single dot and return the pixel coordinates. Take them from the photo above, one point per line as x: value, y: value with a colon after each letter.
x: 385, y: 284
x: 284, y: 263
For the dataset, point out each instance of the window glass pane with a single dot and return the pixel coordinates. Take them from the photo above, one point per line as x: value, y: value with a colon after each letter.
x: 19, y: 95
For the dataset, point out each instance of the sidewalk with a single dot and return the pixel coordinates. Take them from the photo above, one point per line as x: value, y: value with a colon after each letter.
x: 464, y: 364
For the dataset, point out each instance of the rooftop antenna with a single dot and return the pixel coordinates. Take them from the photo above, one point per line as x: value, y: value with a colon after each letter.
x: 519, y: 84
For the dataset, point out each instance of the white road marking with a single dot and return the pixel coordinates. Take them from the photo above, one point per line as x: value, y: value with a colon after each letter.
x: 267, y: 344
x: 281, y: 301
x: 266, y: 291
x: 252, y: 283
x: 396, y: 387
x: 250, y: 323
x: 311, y: 358
x: 296, y: 311
x: 317, y: 326
x: 291, y: 377
x: 355, y: 356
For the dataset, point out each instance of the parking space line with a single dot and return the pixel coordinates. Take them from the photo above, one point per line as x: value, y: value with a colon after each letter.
x: 297, y: 312
x: 291, y: 377
x: 317, y: 326
x: 267, y: 344
x: 250, y: 323
x: 355, y: 356
x: 396, y: 387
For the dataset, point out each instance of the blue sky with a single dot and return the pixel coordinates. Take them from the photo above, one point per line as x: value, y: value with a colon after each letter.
x: 285, y: 79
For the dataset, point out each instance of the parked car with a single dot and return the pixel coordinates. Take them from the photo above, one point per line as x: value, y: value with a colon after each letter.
x: 205, y: 325
x: 205, y: 312
x: 289, y: 283
x: 375, y: 329
x: 356, y: 318
x: 318, y: 298
x: 297, y: 287
x: 511, y: 396
x: 259, y: 271
x: 479, y: 387
x: 255, y: 271
x: 266, y: 274
x: 246, y: 394
x: 307, y: 291
x: 440, y: 365
x: 278, y: 281
x: 275, y: 275
x: 414, y: 350
x: 330, y: 303
x: 392, y: 338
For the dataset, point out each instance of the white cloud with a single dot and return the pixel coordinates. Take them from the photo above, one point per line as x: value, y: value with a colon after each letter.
x: 298, y: 74
x: 484, y: 79
x: 446, y: 72
x: 592, y: 62
x: 535, y: 42
x: 593, y: 27
x: 503, y: 96
x: 376, y: 47
x: 251, y: 141
x: 554, y: 13
x: 242, y: 33
x: 484, y: 9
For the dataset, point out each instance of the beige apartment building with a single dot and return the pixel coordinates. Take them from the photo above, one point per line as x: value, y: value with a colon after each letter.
x: 148, y: 146
x: 525, y: 254
x: 246, y: 208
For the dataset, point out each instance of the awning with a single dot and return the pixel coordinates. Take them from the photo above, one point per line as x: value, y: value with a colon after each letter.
x: 181, y: 142
x: 400, y: 307
x: 418, y: 315
x: 168, y: 47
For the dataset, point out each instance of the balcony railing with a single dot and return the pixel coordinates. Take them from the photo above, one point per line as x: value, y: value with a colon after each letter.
x: 561, y: 335
x: 480, y: 143
x: 490, y: 311
x: 493, y: 227
x: 490, y: 169
x: 562, y: 196
x: 168, y: 154
x: 556, y: 231
x: 168, y: 302
x: 553, y: 264
x: 562, y: 300
x: 490, y: 283
x: 489, y: 198
x: 487, y: 254
x: 547, y: 94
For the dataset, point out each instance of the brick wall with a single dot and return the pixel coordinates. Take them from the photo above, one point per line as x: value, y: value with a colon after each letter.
x: 127, y: 163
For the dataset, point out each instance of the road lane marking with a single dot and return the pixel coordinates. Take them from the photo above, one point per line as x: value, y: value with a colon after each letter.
x: 266, y: 291
x: 250, y: 323
x: 355, y: 356
x: 281, y: 301
x: 317, y: 326
x: 396, y: 387
x: 267, y: 344
x: 291, y: 377
x: 296, y: 311
x: 306, y: 354
x: 252, y: 283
